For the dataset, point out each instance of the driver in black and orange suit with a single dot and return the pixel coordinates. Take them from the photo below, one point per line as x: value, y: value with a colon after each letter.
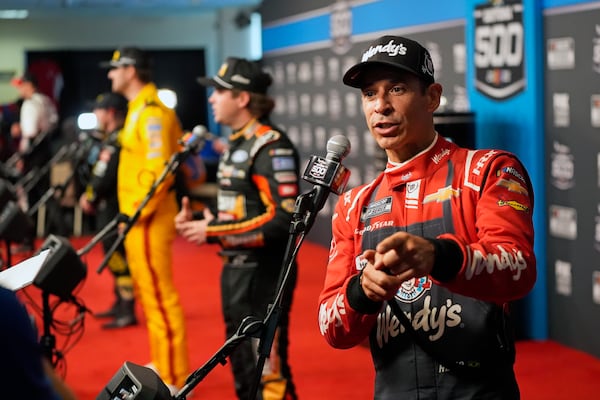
x: 258, y: 183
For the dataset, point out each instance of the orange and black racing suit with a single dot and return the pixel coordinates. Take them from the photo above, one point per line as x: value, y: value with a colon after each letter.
x: 258, y: 185
x: 476, y: 208
x: 148, y: 141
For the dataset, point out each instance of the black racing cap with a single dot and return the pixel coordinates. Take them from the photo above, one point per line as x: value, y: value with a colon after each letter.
x: 394, y: 51
x: 110, y: 100
x: 239, y: 73
x: 128, y: 56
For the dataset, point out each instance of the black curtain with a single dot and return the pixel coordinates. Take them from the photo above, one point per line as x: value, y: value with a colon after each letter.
x: 83, y: 79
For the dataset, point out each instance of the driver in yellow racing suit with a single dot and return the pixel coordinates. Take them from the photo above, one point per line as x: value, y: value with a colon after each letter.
x: 148, y: 140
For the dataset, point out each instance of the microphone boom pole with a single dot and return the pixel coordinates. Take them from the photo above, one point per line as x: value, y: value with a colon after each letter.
x: 332, y: 178
x: 171, y: 166
x: 192, y: 144
x: 328, y: 175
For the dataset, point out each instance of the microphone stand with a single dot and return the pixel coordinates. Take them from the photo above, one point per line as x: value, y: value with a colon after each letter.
x: 250, y: 327
x: 101, y: 234
x: 172, y: 165
x: 47, y: 340
x: 35, y: 143
x: 78, y: 155
x: 30, y: 179
x: 302, y: 219
x: 60, y: 188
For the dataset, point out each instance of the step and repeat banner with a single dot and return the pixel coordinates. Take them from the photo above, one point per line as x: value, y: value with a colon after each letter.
x: 531, y: 80
x: 309, y: 45
x: 572, y: 101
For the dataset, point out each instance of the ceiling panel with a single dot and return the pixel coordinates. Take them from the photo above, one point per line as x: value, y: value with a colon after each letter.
x: 39, y: 7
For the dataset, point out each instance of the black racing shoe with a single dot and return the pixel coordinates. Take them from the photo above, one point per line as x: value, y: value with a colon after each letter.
x: 121, y: 322
x: 110, y: 313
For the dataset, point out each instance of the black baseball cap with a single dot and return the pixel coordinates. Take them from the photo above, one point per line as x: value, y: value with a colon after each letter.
x: 239, y: 73
x: 110, y: 100
x: 394, y: 51
x: 128, y: 56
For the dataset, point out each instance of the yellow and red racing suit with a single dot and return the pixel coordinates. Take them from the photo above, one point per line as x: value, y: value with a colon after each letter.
x: 148, y: 141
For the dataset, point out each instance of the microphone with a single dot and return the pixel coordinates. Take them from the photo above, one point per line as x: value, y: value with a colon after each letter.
x: 194, y: 141
x: 328, y: 174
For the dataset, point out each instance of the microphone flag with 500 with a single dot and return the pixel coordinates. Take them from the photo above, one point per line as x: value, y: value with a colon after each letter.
x: 328, y: 174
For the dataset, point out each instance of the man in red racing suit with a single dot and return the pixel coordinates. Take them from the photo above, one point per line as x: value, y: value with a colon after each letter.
x: 464, y: 217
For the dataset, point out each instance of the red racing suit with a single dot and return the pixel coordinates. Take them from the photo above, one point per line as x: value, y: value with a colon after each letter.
x: 476, y: 208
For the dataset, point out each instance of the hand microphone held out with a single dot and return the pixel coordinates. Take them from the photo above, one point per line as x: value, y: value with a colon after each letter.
x: 328, y: 174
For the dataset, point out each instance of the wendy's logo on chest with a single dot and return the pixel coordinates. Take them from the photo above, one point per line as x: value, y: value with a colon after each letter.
x: 413, y: 192
x: 413, y: 187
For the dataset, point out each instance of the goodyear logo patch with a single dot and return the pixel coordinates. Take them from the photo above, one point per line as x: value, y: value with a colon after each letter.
x: 514, y: 205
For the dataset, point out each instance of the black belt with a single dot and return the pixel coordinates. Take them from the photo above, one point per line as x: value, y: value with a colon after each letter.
x: 238, y: 257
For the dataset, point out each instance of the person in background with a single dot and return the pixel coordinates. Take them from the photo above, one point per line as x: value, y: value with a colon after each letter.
x: 148, y: 140
x: 38, y: 120
x: 38, y: 115
x: 25, y: 373
x: 100, y: 199
x: 425, y: 258
x: 258, y: 184
x: 9, y: 113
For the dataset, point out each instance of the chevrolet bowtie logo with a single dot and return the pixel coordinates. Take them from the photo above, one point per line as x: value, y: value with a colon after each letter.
x: 512, y: 186
x: 442, y: 194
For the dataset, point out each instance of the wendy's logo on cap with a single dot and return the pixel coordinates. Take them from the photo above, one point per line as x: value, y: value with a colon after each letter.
x: 393, y: 52
x: 390, y: 48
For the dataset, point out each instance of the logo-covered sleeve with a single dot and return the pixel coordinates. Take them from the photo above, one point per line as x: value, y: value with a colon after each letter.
x: 499, y: 263
x: 342, y: 326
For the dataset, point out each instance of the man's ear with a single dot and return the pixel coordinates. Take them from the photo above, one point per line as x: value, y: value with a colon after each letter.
x: 434, y: 93
x: 243, y: 98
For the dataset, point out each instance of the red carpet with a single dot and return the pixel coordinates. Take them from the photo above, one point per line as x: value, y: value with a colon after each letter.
x: 546, y: 370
